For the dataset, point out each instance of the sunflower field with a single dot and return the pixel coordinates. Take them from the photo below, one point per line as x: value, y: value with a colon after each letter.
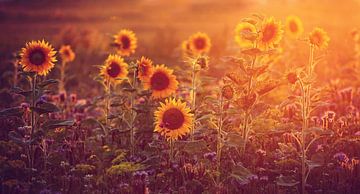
x: 182, y: 97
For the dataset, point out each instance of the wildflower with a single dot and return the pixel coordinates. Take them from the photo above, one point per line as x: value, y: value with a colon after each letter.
x: 144, y: 68
x: 173, y: 119
x: 199, y: 43
x: 125, y: 42
x: 66, y: 53
x: 162, y: 82
x: 114, y: 69
x: 319, y: 38
x: 271, y: 33
x: 294, y: 26
x: 38, y: 57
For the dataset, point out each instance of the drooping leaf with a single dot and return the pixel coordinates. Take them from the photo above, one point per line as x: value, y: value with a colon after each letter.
x: 286, y: 181
x: 45, y: 107
x: 15, y: 111
x: 53, y: 124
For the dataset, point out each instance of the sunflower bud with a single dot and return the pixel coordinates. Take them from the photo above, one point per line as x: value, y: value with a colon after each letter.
x: 292, y: 77
x: 203, y: 62
x: 227, y: 92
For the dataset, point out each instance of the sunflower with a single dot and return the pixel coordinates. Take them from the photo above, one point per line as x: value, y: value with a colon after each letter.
x: 271, y: 33
x: 125, y: 42
x: 38, y: 56
x: 114, y: 69
x: 244, y: 32
x: 145, y: 68
x: 66, y: 53
x: 199, y: 43
x: 294, y: 26
x: 173, y: 119
x: 186, y: 50
x: 162, y: 82
x: 319, y: 38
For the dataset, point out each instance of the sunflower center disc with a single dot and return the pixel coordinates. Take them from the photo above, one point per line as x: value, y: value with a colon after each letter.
x: 37, y: 57
x: 268, y: 34
x: 125, y: 42
x: 159, y: 81
x: 200, y: 43
x: 113, y: 70
x: 173, y: 118
x: 143, y: 69
x: 293, y: 27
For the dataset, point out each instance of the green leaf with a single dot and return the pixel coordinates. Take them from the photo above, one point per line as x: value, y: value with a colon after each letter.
x: 53, y: 124
x: 234, y: 139
x: 286, y: 181
x: 15, y: 111
x: 15, y: 137
x: 319, y: 131
x: 92, y: 121
x: 192, y: 147
x: 241, y: 174
x: 45, y: 108
x: 48, y: 82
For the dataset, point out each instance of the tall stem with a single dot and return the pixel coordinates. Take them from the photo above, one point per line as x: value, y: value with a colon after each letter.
x: 33, y: 119
x: 219, y: 142
x: 171, y: 150
x: 62, y: 77
x: 16, y: 63
x: 306, y: 104
x: 193, y: 102
x: 107, y: 102
x: 132, y: 131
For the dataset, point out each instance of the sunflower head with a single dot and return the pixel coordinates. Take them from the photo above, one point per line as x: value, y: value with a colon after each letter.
x: 66, y: 53
x: 38, y: 57
x: 173, y: 119
x: 319, y: 38
x: 114, y: 69
x: 271, y: 33
x: 245, y: 34
x: 186, y: 50
x: 162, y: 82
x: 144, y: 68
x: 294, y: 26
x: 125, y: 42
x: 199, y: 43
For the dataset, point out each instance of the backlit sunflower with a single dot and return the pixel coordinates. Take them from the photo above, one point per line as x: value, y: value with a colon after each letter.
x: 66, y: 53
x: 144, y: 68
x: 38, y: 56
x: 294, y: 26
x: 162, y: 82
x: 244, y: 34
x: 125, y: 42
x: 199, y: 43
x: 114, y: 69
x: 186, y: 50
x: 271, y: 33
x: 173, y: 119
x: 319, y: 38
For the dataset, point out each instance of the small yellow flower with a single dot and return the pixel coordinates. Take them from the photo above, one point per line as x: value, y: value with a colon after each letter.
x: 271, y: 33
x: 67, y: 54
x: 162, y: 82
x: 38, y: 57
x: 114, y: 69
x: 319, y: 38
x: 144, y: 68
x: 199, y: 43
x: 294, y: 26
x: 173, y: 119
x: 125, y: 42
x: 245, y: 34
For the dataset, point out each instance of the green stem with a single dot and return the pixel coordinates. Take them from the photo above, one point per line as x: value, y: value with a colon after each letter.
x: 193, y: 103
x: 132, y: 132
x: 171, y: 150
x: 219, y: 142
x: 62, y: 77
x: 33, y: 119
x: 107, y: 102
